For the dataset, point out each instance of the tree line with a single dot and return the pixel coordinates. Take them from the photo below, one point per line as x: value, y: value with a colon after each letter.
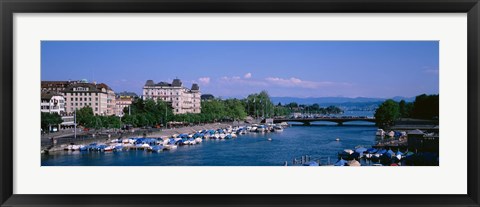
x: 158, y: 113
x: 424, y: 107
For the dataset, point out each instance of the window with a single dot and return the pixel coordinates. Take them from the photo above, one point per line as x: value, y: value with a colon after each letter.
x: 90, y: 99
x: 76, y: 99
x: 71, y: 104
x: 71, y: 99
x: 96, y: 109
x: 96, y: 99
x: 76, y: 104
x: 80, y: 104
x: 177, y: 110
x: 80, y: 99
x: 71, y: 109
x: 96, y: 104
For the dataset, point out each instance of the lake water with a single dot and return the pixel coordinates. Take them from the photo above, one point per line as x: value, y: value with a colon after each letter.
x: 251, y: 149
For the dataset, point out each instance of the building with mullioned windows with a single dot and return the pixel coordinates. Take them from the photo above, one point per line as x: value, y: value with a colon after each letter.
x: 99, y: 97
x: 183, y: 100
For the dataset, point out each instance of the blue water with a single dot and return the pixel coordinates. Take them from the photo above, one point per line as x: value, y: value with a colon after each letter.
x: 247, y: 150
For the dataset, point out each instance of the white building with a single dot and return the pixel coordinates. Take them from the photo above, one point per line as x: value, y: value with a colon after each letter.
x: 182, y: 99
x: 121, y: 103
x: 99, y: 97
x: 52, y: 103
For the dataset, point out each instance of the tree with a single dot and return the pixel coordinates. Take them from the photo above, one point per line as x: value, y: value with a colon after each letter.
x: 426, y: 107
x: 387, y: 113
x: 405, y: 109
x: 50, y: 119
x: 85, y: 116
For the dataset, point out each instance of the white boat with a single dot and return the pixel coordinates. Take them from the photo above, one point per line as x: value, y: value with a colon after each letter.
x: 109, y: 148
x: 233, y: 135
x: 260, y: 129
x: 380, y: 133
x: 216, y: 135
x: 399, y: 156
x: 278, y: 128
x: 337, y: 139
x: 222, y: 135
x: 349, y: 151
x: 391, y: 133
x: 253, y: 129
x: 145, y: 146
x: 170, y: 147
x: 198, y: 140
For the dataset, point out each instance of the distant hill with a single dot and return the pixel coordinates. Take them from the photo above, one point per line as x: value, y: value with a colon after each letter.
x: 337, y: 100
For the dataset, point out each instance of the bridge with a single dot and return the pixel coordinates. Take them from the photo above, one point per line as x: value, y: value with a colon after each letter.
x: 338, y: 120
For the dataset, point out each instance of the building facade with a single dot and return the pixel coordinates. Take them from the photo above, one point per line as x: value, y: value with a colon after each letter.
x: 99, y: 97
x: 121, y: 103
x: 52, y: 103
x: 56, y: 86
x: 183, y: 100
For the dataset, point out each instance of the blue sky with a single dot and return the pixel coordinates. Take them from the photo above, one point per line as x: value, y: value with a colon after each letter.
x: 380, y: 69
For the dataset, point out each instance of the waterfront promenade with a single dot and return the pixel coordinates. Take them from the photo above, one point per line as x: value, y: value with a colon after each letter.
x: 84, y: 138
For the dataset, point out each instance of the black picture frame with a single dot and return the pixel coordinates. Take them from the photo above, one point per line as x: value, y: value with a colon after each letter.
x: 10, y: 7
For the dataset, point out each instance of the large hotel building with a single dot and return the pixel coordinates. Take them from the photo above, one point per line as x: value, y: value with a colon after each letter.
x: 182, y: 99
x: 78, y: 94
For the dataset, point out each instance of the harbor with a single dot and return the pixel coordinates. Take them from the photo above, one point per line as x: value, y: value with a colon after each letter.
x: 270, y: 115
x: 222, y: 144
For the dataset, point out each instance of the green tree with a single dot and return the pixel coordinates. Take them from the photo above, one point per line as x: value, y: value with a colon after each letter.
x: 50, y: 119
x: 426, y: 107
x: 387, y: 113
x: 85, y: 116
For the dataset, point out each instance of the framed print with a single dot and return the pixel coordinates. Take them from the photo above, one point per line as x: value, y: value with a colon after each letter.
x: 239, y: 103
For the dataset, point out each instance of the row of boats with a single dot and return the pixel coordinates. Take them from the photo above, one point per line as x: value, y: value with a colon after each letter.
x: 171, y: 143
x: 380, y: 156
x: 382, y: 133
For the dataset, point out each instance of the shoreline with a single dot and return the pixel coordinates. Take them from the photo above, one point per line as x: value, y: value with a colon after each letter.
x: 166, y: 133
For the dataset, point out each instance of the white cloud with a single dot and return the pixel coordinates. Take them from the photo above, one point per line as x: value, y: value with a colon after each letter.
x: 238, y: 80
x: 248, y: 75
x: 204, y: 80
x: 296, y: 82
